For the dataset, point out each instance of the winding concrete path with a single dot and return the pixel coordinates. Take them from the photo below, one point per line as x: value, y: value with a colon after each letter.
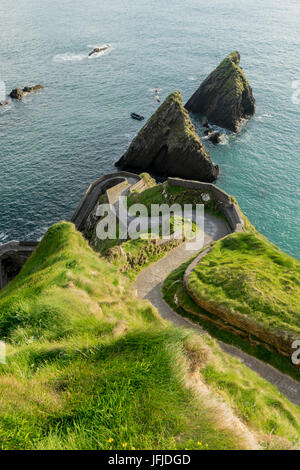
x: 149, y: 283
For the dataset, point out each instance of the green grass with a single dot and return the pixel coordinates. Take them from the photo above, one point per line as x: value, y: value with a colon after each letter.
x: 168, y: 194
x: 89, y: 366
x: 257, y: 402
x: 133, y: 255
x: 231, y: 74
x: 248, y: 275
x: 173, y: 289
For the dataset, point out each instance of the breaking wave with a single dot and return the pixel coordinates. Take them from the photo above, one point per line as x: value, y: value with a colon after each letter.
x: 74, y: 57
x: 69, y: 57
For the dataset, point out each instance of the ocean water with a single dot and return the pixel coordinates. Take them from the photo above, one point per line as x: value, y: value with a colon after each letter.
x: 54, y: 143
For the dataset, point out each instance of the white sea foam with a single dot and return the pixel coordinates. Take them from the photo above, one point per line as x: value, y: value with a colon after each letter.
x: 262, y: 116
x: 154, y: 90
x: 192, y: 78
x: 74, y: 57
x: 3, y: 237
x: 224, y: 139
x: 69, y: 57
x: 2, y: 90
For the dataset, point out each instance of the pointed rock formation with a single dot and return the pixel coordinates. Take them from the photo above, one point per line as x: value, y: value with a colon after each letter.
x: 225, y: 97
x: 168, y: 145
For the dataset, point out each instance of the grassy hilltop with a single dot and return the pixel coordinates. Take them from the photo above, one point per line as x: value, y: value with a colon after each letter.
x: 89, y: 366
x: 247, y: 274
x: 245, y: 292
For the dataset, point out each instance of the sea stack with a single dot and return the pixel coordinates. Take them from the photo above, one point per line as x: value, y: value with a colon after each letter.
x: 225, y: 97
x: 168, y: 145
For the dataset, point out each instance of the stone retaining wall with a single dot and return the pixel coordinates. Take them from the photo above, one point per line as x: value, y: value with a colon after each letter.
x: 93, y: 193
x: 138, y: 187
x: 227, y: 206
x: 114, y: 191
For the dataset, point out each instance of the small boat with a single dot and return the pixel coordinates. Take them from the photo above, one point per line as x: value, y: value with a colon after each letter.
x: 137, y: 116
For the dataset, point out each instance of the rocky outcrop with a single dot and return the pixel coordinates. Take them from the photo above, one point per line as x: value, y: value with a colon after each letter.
x: 168, y: 145
x: 225, y: 97
x: 97, y: 50
x: 215, y: 138
x: 18, y: 93
x: 13, y: 256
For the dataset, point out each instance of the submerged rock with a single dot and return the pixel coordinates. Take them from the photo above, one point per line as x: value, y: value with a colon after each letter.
x: 205, y: 123
x: 225, y: 97
x: 18, y: 93
x: 32, y: 89
x: 208, y: 131
x: 215, y: 138
x: 168, y: 145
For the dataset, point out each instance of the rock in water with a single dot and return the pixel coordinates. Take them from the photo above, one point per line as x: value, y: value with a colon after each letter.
x: 215, y: 138
x: 97, y: 50
x: 17, y: 94
x: 168, y: 145
x: 225, y: 97
x: 32, y: 89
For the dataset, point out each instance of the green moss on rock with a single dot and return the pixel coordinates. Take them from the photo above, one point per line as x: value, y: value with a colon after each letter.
x: 168, y: 145
x: 225, y: 97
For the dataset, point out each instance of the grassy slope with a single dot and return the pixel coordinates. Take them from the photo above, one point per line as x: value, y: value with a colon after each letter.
x: 173, y: 289
x: 89, y: 366
x: 134, y: 255
x: 246, y: 273
x: 173, y: 286
x: 257, y: 402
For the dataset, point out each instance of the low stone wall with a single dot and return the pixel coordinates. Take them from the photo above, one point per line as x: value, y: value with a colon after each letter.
x: 114, y: 191
x: 138, y: 187
x: 93, y: 193
x: 227, y: 206
x: 13, y: 255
